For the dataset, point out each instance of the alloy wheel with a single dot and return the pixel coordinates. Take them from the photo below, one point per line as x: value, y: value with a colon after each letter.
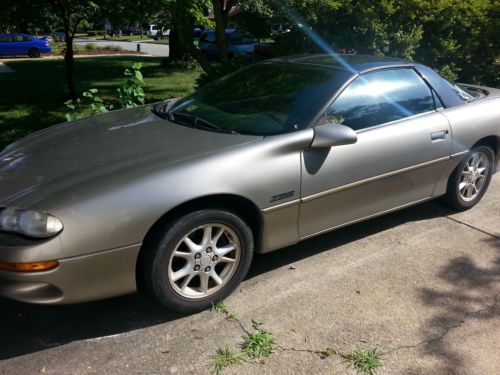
x: 204, y: 260
x: 473, y: 176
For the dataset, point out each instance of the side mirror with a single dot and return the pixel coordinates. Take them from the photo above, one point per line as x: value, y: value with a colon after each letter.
x: 329, y: 135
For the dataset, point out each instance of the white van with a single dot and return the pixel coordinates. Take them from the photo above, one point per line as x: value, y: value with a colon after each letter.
x: 157, y: 32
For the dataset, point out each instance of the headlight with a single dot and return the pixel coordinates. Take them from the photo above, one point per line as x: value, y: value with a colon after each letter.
x: 29, y: 223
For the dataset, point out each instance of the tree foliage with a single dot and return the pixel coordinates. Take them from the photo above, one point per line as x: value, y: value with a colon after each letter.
x: 459, y: 38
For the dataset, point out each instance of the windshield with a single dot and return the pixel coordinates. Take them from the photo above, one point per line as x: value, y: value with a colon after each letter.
x: 263, y: 99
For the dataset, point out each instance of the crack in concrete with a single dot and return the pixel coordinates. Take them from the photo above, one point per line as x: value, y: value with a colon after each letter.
x: 473, y: 227
x: 321, y: 353
x: 328, y: 352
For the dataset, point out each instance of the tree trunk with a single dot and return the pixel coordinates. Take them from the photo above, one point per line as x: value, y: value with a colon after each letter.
x: 220, y: 29
x: 177, y: 52
x: 69, y: 60
x: 184, y: 29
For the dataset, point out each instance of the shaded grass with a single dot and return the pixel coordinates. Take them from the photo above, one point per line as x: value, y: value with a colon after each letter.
x: 32, y: 98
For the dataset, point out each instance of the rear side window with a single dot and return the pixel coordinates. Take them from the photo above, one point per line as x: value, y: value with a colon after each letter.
x: 5, y: 39
x: 380, y: 97
x: 19, y: 38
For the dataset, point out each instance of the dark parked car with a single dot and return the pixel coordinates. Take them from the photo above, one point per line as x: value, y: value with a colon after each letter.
x: 239, y: 43
x: 21, y: 44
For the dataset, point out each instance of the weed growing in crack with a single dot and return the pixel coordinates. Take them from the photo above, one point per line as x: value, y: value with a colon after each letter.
x: 224, y: 357
x: 365, y: 361
x: 260, y: 343
x: 328, y: 352
x: 219, y: 307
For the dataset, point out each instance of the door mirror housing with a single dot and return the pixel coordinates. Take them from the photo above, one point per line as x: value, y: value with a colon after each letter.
x: 332, y: 134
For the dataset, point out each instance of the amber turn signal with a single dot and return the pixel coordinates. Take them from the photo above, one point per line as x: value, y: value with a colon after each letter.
x: 29, y: 267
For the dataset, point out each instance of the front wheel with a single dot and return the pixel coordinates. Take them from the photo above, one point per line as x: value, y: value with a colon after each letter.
x: 198, y: 259
x: 471, y: 178
x: 33, y: 52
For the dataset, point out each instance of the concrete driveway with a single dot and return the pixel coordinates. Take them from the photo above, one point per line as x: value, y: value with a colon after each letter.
x: 161, y: 50
x: 422, y: 285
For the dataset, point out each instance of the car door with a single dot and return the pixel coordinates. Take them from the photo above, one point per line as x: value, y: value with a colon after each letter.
x: 403, y: 146
x: 20, y: 45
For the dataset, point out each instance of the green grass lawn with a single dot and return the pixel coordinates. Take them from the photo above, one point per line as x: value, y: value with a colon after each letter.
x: 33, y: 97
x: 159, y: 41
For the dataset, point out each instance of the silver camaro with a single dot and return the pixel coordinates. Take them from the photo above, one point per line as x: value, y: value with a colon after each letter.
x: 175, y: 198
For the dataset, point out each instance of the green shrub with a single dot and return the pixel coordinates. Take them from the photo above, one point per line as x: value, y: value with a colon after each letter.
x: 91, y: 47
x: 131, y: 93
x: 96, y: 32
x: 113, y: 48
x: 92, y: 104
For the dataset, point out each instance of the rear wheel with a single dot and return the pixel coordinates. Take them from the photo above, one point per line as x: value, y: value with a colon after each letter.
x: 198, y: 259
x: 471, y: 178
x: 33, y: 52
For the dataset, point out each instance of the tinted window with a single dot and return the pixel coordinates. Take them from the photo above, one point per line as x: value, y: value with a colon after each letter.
x: 264, y: 99
x: 19, y: 38
x: 5, y: 39
x: 380, y: 97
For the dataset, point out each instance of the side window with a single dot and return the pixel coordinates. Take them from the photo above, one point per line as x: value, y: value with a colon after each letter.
x: 5, y: 39
x: 380, y: 97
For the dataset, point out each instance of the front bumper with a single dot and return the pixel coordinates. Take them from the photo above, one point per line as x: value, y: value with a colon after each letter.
x: 79, y: 279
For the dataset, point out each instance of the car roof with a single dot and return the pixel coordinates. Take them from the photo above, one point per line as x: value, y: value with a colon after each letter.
x: 349, y: 62
x: 357, y: 64
x: 16, y: 34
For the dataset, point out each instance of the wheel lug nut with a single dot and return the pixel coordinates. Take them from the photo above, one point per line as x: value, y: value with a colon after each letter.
x: 196, y: 268
x: 197, y: 256
x: 207, y: 269
x: 209, y: 249
x: 215, y: 258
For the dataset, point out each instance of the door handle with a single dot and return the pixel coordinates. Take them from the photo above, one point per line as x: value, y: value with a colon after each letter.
x: 436, y: 136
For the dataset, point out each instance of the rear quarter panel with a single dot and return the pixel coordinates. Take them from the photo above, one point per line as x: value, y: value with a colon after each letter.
x: 474, y: 121
x: 469, y: 124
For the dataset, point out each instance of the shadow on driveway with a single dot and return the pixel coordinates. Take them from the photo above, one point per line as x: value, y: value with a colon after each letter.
x: 30, y: 328
x: 472, y: 293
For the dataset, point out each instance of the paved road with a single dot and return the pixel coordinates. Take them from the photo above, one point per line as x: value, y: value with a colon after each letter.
x: 152, y: 49
x: 422, y: 284
x: 5, y: 69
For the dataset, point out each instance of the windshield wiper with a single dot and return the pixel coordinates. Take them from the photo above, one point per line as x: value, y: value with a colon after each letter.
x: 197, y: 122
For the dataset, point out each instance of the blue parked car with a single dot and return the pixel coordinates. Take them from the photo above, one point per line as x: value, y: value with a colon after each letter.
x: 21, y: 44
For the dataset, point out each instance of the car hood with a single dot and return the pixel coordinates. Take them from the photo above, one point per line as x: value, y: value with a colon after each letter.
x: 122, y: 141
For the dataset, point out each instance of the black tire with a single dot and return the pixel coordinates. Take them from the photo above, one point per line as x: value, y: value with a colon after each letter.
x: 33, y: 52
x: 157, y: 259
x: 453, y: 197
